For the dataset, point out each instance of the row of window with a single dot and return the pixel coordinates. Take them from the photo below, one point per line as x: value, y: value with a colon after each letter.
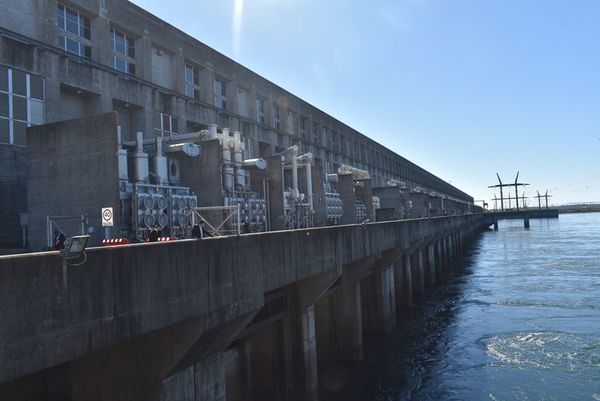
x: 75, y: 37
x: 21, y: 104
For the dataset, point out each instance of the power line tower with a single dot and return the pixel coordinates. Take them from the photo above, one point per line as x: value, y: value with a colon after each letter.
x: 501, y: 185
x: 518, y: 184
x: 539, y: 200
x: 547, y: 196
x: 539, y: 197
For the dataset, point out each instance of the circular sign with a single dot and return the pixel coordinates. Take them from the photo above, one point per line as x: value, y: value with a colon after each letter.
x: 107, y: 217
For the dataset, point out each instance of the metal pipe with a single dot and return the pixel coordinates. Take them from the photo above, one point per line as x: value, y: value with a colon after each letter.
x: 189, y: 148
x: 238, y: 156
x: 309, y: 188
x: 259, y: 163
x: 295, y: 191
x: 226, y: 156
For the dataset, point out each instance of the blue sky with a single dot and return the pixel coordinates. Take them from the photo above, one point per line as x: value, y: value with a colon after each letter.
x: 464, y: 88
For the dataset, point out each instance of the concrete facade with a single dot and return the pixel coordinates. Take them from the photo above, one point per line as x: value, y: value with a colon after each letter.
x: 158, y: 97
x: 248, y: 317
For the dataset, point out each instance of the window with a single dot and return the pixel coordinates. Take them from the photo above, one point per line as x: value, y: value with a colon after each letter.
x: 260, y: 110
x: 275, y: 115
x: 165, y: 124
x: 192, y: 81
x: 220, y: 94
x: 75, y: 31
x: 302, y: 126
x: 21, y: 104
x: 123, y: 52
x: 316, y: 134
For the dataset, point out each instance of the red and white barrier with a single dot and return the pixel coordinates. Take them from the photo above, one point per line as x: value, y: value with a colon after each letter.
x: 115, y: 241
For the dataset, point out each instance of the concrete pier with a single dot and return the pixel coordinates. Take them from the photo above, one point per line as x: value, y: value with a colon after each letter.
x: 259, y: 316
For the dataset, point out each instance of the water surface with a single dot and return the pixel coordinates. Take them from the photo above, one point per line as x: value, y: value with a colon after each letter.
x: 518, y: 320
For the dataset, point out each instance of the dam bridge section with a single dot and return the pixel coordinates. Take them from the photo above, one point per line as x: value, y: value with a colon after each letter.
x: 252, y: 317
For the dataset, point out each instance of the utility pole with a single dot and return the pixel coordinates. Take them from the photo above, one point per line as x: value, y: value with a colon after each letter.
x: 547, y: 196
x: 517, y: 184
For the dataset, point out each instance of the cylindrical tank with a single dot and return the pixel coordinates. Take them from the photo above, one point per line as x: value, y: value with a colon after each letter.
x: 141, y: 161
x: 162, y: 220
x: 160, y: 202
x: 122, y: 157
x: 192, y: 201
x: 145, y: 220
x: 145, y: 201
x: 160, y: 164
x: 212, y: 129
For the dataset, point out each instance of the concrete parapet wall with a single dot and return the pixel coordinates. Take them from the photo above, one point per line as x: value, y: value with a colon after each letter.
x: 53, y: 313
x: 13, y: 198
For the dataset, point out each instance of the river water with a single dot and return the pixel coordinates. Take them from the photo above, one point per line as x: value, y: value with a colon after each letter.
x: 519, y: 319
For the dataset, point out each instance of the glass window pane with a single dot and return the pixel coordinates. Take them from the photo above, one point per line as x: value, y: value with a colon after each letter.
x: 3, y: 78
x: 19, y: 109
x: 175, y: 123
x: 87, y: 51
x: 4, y: 130
x: 119, y: 42
x: 189, y: 90
x: 131, y: 68
x: 72, y: 23
x: 19, y: 131
x: 72, y: 46
x: 36, y: 87
x: 86, y: 33
x: 196, y: 77
x: 19, y: 85
x: 156, y: 120
x: 196, y: 93
x: 112, y: 39
x: 36, y: 112
x: 61, y: 42
x: 60, y: 16
x: 4, y: 105
x: 84, y: 26
x: 166, y: 122
x: 119, y: 64
x: 131, y: 48
x: 189, y: 72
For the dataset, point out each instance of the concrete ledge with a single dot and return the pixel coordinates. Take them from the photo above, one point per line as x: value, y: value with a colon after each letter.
x: 52, y: 313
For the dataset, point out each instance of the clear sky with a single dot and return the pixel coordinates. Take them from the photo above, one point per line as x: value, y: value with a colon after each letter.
x: 464, y: 88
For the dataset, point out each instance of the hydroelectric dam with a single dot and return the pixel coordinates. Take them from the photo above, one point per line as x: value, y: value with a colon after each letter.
x: 250, y: 317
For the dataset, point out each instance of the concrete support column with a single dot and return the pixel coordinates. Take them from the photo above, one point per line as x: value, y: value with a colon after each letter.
x: 301, y: 355
x: 403, y: 282
x: 445, y: 252
x: 432, y: 264
x: 439, y: 256
x: 418, y: 277
x: 349, y: 322
x: 382, y: 301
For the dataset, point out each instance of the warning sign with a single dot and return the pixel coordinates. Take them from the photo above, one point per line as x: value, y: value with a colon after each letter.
x: 107, y: 217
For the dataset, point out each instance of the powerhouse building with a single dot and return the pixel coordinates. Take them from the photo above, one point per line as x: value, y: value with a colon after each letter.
x: 64, y: 60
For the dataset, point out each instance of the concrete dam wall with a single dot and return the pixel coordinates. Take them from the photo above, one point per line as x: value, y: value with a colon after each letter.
x: 248, y: 317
